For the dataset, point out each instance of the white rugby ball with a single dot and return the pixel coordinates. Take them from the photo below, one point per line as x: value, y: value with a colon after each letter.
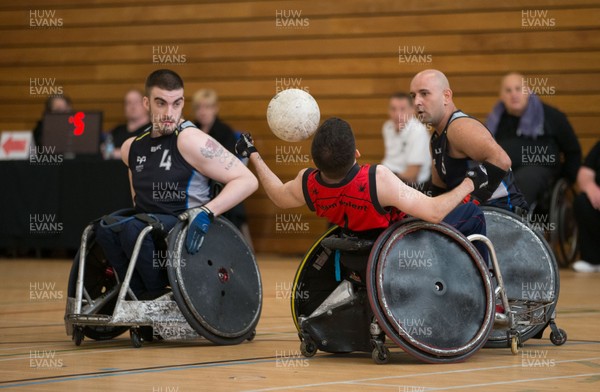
x: 293, y: 115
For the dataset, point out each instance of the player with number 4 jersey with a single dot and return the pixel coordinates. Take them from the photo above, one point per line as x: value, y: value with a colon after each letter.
x: 170, y: 165
x: 163, y: 180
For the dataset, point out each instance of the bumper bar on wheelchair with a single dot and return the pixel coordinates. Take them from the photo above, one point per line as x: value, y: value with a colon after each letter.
x: 125, y: 312
x: 498, y: 275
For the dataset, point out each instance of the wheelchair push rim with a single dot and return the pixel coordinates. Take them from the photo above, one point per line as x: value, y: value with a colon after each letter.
x: 218, y: 290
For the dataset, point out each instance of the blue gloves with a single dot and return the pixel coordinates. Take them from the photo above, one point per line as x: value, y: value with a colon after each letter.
x: 197, y: 229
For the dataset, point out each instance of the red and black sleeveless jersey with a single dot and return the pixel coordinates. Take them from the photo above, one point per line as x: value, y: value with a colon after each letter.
x: 352, y: 203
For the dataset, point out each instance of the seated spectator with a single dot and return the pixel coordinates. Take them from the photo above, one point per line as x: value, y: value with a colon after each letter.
x: 54, y: 104
x: 587, y: 213
x: 206, y: 110
x: 534, y: 135
x: 137, y: 118
x: 406, y: 142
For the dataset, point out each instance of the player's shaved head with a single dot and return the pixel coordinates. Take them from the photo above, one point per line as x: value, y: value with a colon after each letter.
x: 433, y: 78
x: 431, y: 92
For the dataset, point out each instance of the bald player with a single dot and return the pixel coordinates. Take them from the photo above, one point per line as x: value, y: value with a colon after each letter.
x: 459, y: 143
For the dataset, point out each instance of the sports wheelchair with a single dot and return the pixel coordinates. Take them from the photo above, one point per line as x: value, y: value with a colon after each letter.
x: 427, y: 288
x: 560, y: 229
x: 215, y: 294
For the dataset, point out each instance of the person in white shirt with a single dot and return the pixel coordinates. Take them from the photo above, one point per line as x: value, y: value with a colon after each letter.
x: 406, y: 142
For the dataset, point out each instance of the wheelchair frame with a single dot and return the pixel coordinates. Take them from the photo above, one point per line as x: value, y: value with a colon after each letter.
x: 162, y: 312
x: 517, y: 312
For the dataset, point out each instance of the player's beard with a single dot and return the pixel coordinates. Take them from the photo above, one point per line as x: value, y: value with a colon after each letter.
x: 162, y: 129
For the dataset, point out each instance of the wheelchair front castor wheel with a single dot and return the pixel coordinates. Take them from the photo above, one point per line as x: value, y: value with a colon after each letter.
x: 308, y: 348
x: 514, y: 344
x: 380, y: 356
x: 78, y: 335
x: 136, y: 338
x: 558, y: 339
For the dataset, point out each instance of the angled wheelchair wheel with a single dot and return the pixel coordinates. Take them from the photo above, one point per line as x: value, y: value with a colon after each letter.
x: 99, y: 278
x: 528, y: 268
x: 430, y: 291
x: 563, y: 237
x: 314, y: 279
x: 330, y: 315
x: 218, y: 290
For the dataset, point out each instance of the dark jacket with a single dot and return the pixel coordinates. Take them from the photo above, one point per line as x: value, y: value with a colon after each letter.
x: 560, y: 147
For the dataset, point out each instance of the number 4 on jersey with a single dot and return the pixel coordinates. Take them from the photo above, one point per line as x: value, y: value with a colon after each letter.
x: 165, y: 161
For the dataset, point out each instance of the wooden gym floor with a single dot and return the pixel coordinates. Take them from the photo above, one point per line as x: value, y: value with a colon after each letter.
x: 36, y: 354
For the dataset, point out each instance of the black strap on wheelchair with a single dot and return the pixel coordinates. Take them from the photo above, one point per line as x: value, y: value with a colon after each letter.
x: 115, y: 223
x: 347, y: 243
x: 159, y: 229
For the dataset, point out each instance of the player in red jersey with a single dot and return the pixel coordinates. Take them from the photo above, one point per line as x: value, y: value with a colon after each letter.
x: 362, y: 198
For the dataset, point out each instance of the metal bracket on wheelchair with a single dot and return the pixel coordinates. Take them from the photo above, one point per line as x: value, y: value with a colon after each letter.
x: 528, y: 311
x: 342, y: 295
x: 162, y: 313
x: 497, y: 273
x: 377, y: 335
x: 82, y: 252
x: 134, y: 256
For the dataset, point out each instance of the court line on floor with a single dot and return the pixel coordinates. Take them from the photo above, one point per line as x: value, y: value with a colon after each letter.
x: 67, y: 353
x: 101, y: 346
x: 260, y: 337
x: 116, y: 373
x: 32, y: 326
x: 13, y: 356
x: 488, y: 384
x: 123, y: 344
x: 358, y: 381
x: 237, y: 362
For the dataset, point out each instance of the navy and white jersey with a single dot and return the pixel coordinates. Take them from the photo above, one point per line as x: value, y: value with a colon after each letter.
x: 452, y: 171
x: 163, y: 181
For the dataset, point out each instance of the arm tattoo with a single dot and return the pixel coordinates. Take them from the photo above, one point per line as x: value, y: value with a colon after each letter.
x: 211, y: 149
x: 232, y: 162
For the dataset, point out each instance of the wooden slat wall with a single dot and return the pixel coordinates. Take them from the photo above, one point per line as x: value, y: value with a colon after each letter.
x: 346, y: 56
